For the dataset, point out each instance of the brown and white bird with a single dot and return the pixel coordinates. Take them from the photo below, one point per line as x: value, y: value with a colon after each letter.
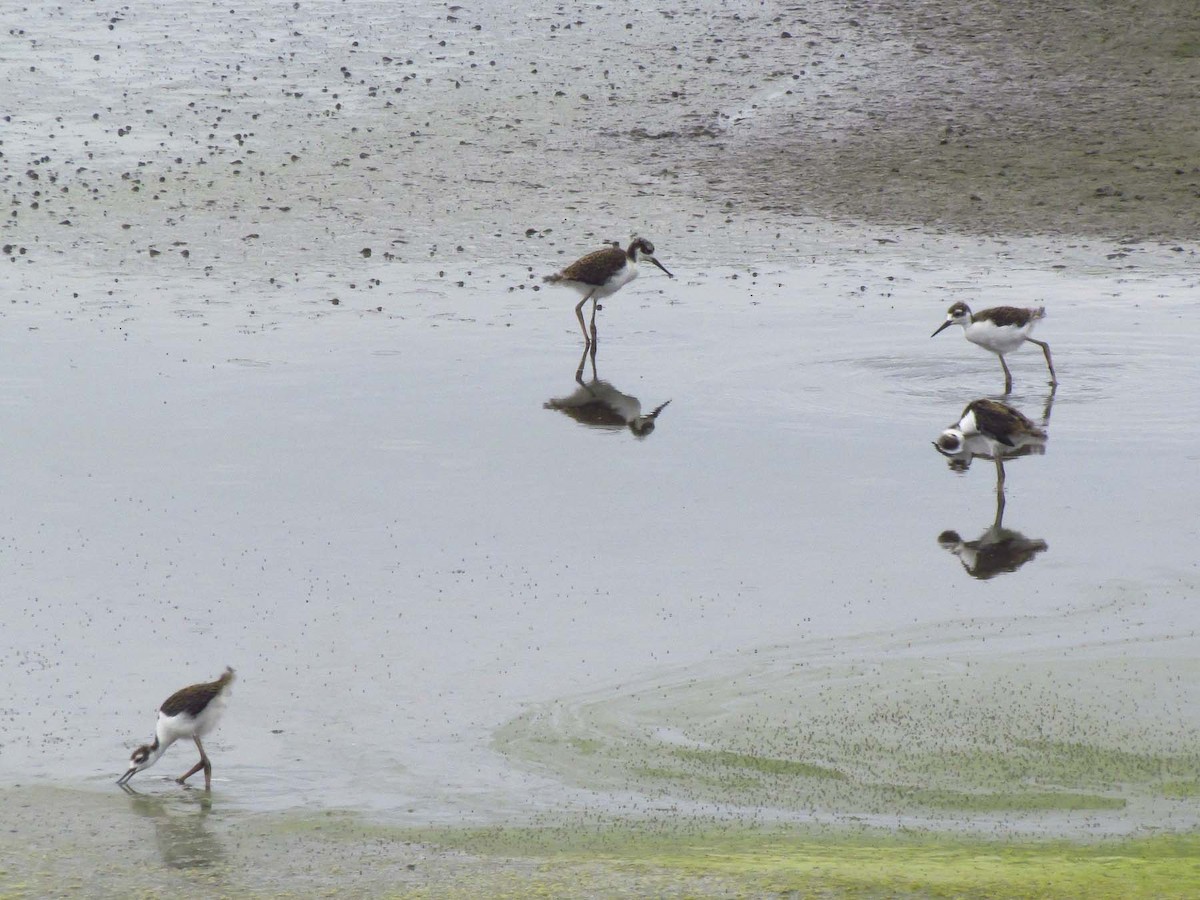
x: 602, y: 273
x: 192, y: 712
x: 992, y: 429
x: 1001, y: 329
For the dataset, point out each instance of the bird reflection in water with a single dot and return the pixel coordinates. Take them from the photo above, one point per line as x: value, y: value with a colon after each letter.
x: 181, y: 834
x: 597, y: 404
x: 989, y: 429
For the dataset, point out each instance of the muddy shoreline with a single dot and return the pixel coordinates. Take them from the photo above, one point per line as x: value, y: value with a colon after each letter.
x: 464, y: 138
x: 58, y: 843
x: 989, y: 118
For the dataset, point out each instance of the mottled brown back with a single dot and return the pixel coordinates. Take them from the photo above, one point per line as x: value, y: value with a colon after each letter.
x: 596, y: 267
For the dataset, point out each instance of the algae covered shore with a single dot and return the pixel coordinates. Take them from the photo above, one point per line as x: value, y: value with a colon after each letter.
x: 993, y: 774
x: 62, y: 843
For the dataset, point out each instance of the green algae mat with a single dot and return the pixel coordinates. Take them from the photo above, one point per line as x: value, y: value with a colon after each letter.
x: 744, y: 862
x: 56, y: 842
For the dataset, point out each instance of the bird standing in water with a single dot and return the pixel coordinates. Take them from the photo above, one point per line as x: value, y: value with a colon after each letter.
x: 602, y: 273
x: 192, y: 712
x: 1001, y: 329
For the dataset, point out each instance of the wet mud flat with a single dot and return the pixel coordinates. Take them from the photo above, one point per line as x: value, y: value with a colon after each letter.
x: 983, y: 118
x: 152, y: 140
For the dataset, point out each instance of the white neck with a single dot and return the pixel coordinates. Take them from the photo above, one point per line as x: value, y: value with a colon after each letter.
x: 165, y: 739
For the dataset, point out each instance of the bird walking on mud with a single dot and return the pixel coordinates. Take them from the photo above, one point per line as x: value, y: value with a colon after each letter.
x: 1001, y: 329
x: 602, y: 273
x: 192, y: 712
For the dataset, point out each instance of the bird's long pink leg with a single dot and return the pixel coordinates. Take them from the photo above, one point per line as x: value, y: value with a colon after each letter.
x: 1049, y: 364
x: 1007, y: 374
x: 204, y: 764
x: 579, y: 316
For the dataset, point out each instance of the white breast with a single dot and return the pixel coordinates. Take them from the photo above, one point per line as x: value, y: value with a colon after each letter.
x: 620, y: 278
x: 997, y: 338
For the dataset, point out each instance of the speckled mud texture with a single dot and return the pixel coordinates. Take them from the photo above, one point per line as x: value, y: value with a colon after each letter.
x: 987, y: 117
x: 329, y: 131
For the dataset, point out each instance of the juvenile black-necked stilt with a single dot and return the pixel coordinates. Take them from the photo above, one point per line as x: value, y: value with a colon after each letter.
x: 994, y: 429
x: 602, y: 273
x: 1000, y: 329
x: 192, y: 712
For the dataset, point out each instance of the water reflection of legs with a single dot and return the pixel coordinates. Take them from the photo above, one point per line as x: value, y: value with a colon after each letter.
x: 998, y: 522
x: 589, y: 349
x: 1048, y: 405
x: 184, y: 839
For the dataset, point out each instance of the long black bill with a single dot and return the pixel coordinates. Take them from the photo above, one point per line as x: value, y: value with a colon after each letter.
x: 661, y: 266
x: 129, y: 773
x: 942, y: 328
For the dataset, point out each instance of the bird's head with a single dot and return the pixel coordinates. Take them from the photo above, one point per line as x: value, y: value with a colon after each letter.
x: 958, y: 314
x: 642, y: 249
x: 142, y: 758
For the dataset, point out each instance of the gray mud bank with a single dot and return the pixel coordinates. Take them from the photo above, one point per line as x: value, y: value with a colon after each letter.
x: 989, y: 117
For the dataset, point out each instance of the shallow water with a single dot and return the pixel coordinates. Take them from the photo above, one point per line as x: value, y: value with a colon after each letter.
x: 376, y: 521
x: 365, y: 508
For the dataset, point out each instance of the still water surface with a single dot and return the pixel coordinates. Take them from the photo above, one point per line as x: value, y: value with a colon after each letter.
x: 375, y: 519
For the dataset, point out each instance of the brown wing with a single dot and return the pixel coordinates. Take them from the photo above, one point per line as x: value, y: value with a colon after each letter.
x: 1006, y: 315
x: 194, y: 698
x: 595, y: 267
x: 1001, y: 422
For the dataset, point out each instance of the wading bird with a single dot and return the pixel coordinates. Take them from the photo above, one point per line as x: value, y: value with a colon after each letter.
x: 602, y: 273
x: 1001, y: 329
x: 192, y: 712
